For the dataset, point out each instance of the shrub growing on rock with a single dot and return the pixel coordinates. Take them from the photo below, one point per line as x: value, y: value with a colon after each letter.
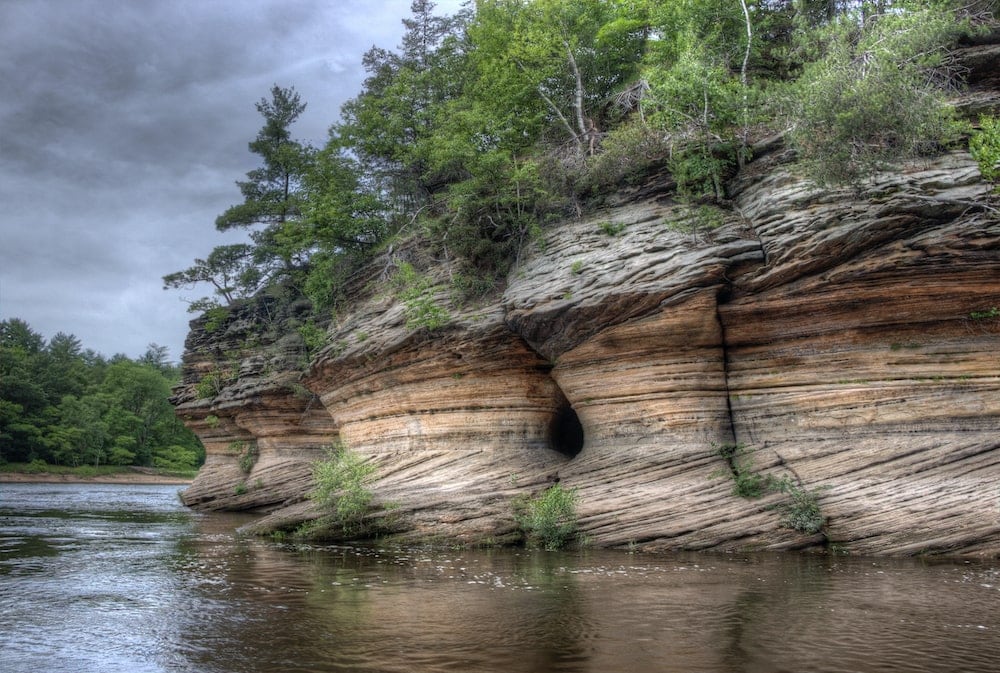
x: 549, y: 520
x: 342, y: 489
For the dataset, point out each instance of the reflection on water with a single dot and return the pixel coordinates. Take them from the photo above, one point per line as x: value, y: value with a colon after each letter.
x: 122, y: 578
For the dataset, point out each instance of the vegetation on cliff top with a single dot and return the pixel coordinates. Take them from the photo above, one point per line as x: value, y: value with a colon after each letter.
x: 484, y: 126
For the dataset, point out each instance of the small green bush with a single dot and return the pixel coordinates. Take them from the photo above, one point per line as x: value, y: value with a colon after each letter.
x: 212, y: 383
x: 628, y: 152
x: 612, y: 229
x: 37, y: 466
x: 419, y: 305
x: 208, y: 386
x: 988, y: 314
x: 984, y: 145
x: 248, y: 457
x: 215, y: 318
x: 342, y: 483
x: 802, y: 511
x: 746, y: 482
x: 548, y: 521
x: 313, y: 336
x: 700, y: 220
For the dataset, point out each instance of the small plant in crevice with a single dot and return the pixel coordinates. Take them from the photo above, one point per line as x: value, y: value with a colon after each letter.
x: 248, y: 457
x: 800, y: 511
x: 217, y: 378
x: 215, y: 317
x: 419, y: 304
x: 983, y: 321
x: 699, y: 221
x: 612, y: 229
x: 548, y: 520
x: 746, y: 482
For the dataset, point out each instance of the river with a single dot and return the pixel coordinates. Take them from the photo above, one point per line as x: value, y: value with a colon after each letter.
x: 122, y: 578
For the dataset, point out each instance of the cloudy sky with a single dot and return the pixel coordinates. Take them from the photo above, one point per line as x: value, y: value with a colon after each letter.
x: 123, y: 127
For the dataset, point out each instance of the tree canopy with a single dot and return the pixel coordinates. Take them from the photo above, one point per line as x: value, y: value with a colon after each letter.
x: 481, y: 127
x: 66, y: 405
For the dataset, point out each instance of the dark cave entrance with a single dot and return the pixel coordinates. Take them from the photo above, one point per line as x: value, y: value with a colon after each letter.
x: 566, y: 432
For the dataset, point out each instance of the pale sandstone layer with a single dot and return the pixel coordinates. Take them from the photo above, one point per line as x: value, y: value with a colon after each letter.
x: 838, y: 335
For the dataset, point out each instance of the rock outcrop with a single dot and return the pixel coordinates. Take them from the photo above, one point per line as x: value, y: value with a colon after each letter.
x: 846, y: 339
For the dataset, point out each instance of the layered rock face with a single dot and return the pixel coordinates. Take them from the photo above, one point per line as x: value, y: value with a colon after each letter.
x: 262, y: 429
x: 845, y: 340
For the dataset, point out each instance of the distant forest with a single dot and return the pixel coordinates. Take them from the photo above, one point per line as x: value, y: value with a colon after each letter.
x: 65, y: 405
x: 483, y: 127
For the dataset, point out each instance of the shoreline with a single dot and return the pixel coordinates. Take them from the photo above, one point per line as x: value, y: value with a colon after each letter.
x: 118, y: 478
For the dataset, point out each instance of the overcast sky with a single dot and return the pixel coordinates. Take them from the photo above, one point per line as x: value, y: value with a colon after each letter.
x: 123, y: 127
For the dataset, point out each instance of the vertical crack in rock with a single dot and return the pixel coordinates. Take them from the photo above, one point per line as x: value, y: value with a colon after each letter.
x: 724, y: 353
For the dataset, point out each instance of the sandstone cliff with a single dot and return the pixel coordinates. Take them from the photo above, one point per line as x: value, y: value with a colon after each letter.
x: 843, y: 337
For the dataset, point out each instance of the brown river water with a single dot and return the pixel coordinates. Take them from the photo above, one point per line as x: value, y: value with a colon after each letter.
x: 122, y: 578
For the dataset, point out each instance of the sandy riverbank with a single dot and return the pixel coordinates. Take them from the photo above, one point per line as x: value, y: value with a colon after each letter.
x: 135, y: 477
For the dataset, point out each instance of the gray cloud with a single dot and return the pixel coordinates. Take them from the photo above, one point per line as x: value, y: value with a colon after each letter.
x: 123, y: 127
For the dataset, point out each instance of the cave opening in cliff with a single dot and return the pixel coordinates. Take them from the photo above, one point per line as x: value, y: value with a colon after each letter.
x: 566, y: 432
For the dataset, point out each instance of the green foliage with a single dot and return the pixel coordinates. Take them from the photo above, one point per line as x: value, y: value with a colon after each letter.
x: 746, y: 482
x: 469, y: 286
x: 991, y: 313
x: 343, y: 221
x: 700, y: 219
x: 800, y: 511
x: 698, y: 95
x: 388, y: 126
x: 417, y: 293
x: 628, y: 151
x: 548, y: 521
x: 700, y: 169
x: 876, y: 96
x: 213, y: 381
x: 612, y: 228
x: 482, y: 127
x: 342, y: 489
x: 271, y: 192
x: 247, y: 457
x: 37, y: 466
x: 233, y: 270
x: 984, y: 145
x: 215, y: 318
x: 63, y: 405
x: 273, y: 196
x: 313, y: 336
